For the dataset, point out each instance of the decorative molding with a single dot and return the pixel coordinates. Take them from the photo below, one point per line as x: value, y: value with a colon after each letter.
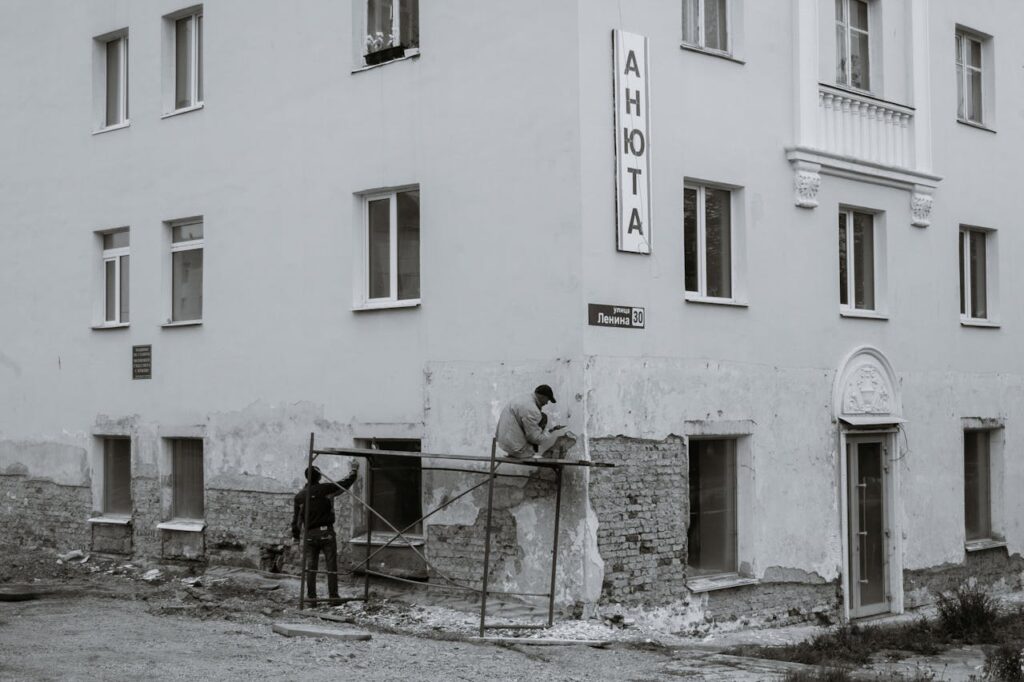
x: 866, y: 385
x: 921, y: 206
x: 866, y: 392
x: 806, y: 183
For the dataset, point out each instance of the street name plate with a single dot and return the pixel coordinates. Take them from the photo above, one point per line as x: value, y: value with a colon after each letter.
x: 142, y: 362
x: 622, y: 316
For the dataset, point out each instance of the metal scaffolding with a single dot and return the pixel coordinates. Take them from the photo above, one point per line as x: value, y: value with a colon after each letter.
x: 369, y: 454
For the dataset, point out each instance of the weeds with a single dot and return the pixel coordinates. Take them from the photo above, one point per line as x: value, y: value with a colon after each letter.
x: 1005, y: 663
x: 820, y: 675
x: 968, y: 614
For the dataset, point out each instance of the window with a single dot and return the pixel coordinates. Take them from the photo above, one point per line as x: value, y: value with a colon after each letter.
x: 188, y: 59
x: 706, y: 24
x: 393, y: 247
x: 853, y: 66
x: 856, y: 260
x: 116, y: 81
x: 968, y: 77
x: 712, y: 534
x: 115, y: 277
x: 395, y: 485
x: 973, y: 274
x: 187, y: 270
x: 392, y: 29
x: 117, y: 476
x: 707, y: 241
x: 977, y: 485
x: 187, y: 478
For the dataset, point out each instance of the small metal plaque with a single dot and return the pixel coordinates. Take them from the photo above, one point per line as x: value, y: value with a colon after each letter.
x: 621, y: 316
x: 142, y: 362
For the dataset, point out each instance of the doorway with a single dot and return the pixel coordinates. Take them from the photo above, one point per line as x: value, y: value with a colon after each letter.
x: 868, y: 516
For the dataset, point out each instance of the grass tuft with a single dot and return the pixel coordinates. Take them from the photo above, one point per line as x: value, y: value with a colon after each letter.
x: 968, y: 614
x: 1005, y: 663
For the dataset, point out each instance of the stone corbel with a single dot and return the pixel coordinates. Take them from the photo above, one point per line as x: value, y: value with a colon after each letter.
x: 921, y: 206
x: 806, y: 182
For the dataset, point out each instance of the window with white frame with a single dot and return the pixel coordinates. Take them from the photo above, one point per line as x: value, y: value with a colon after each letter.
x: 115, y: 277
x: 707, y: 241
x: 978, y: 484
x: 393, y: 246
x: 856, y: 260
x: 853, y: 60
x: 392, y: 29
x: 187, y: 488
x: 115, y: 53
x: 969, y: 72
x: 188, y: 59
x: 186, y: 270
x: 117, y: 476
x: 706, y: 24
x: 712, y: 533
x: 974, y: 273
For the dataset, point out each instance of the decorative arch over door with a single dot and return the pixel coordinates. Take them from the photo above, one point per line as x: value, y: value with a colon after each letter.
x: 866, y: 391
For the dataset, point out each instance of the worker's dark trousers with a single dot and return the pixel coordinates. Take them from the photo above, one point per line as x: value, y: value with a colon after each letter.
x: 316, y: 541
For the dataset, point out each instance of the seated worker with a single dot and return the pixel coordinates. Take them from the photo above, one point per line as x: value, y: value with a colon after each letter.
x: 520, y: 431
x: 320, y: 534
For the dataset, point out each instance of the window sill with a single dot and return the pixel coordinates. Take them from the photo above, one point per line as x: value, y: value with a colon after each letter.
x: 108, y: 129
x: 184, y: 110
x: 413, y: 53
x: 381, y: 538
x: 385, y: 305
x: 978, y: 322
x: 719, y: 582
x: 979, y: 126
x: 987, y: 543
x: 182, y: 323
x: 864, y: 314
x: 711, y: 53
x: 113, y: 519
x: 183, y: 525
x: 112, y: 325
x: 697, y: 298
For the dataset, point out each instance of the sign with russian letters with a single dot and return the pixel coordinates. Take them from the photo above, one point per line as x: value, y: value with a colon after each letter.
x: 142, y: 362
x: 623, y: 316
x: 632, y: 142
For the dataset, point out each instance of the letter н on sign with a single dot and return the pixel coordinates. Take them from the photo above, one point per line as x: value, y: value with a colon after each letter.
x: 632, y: 142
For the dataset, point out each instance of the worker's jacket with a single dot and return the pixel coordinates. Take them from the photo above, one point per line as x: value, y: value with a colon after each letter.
x: 519, y: 426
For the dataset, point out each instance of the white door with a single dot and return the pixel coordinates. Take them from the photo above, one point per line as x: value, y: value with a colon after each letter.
x: 868, y: 523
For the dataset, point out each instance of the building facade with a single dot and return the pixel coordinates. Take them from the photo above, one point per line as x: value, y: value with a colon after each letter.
x: 732, y: 236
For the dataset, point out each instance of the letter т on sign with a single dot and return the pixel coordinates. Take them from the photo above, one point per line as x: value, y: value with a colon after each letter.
x: 632, y: 142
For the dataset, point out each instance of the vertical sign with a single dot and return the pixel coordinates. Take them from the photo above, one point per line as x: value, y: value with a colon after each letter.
x: 632, y: 142
x: 142, y: 362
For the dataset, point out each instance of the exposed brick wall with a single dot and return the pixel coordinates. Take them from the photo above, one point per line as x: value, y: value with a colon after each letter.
x: 641, y: 507
x: 993, y: 569
x: 775, y: 603
x: 145, y: 517
x: 44, y: 513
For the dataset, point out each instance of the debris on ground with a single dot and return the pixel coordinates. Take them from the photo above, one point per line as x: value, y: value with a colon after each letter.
x: 152, y: 575
x: 306, y: 630
x: 73, y: 554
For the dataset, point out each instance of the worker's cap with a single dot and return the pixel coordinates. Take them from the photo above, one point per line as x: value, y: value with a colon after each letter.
x: 313, y: 473
x: 545, y: 390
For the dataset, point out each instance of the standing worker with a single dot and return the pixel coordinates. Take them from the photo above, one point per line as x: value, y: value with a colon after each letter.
x: 320, y: 534
x: 520, y: 429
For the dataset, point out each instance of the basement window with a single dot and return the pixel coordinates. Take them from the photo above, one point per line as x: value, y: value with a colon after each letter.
x: 395, y: 488
x: 711, y: 536
x: 117, y: 476
x: 187, y: 478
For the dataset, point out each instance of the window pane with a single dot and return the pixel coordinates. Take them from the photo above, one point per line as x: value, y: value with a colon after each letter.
x: 378, y: 24
x: 117, y: 476
x: 690, y: 21
x: 187, y: 478
x: 395, y: 485
x: 115, y: 240
x: 977, y: 485
x: 408, y: 244
x: 113, y: 82
x: 963, y: 279
x: 859, y: 14
x: 979, y: 298
x: 187, y: 285
x: 863, y: 262
x: 961, y: 104
x: 870, y: 512
x: 186, y: 232
x: 958, y: 42
x: 974, y: 53
x: 844, y: 298
x: 183, y: 62
x: 718, y: 243
x: 110, y: 268
x: 711, y: 537
x: 409, y: 23
x: 715, y: 24
x: 124, y: 289
x: 199, y: 57
x: 974, y: 88
x: 690, y: 239
x: 859, y: 66
x: 841, y: 65
x: 379, y: 267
